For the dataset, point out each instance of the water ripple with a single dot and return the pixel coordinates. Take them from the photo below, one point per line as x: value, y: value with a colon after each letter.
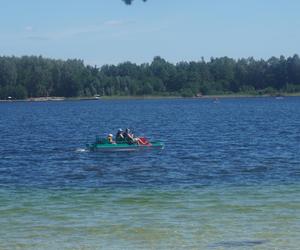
x: 237, y: 142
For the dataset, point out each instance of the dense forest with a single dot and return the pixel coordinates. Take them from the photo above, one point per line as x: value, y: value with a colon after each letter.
x: 32, y: 76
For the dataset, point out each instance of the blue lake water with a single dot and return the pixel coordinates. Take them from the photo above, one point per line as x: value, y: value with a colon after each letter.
x: 228, y: 178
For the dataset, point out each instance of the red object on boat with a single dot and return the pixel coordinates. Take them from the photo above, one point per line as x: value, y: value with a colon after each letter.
x: 144, y: 141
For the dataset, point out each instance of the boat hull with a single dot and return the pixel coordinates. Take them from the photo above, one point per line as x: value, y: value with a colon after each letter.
x: 123, y: 147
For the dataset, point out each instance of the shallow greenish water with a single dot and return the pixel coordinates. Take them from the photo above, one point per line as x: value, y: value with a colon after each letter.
x: 228, y: 178
x: 264, y: 217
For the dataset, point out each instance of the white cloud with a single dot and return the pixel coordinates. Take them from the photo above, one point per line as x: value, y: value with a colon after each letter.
x: 117, y: 22
x: 114, y: 23
x: 105, y: 28
x: 29, y: 28
x: 38, y: 38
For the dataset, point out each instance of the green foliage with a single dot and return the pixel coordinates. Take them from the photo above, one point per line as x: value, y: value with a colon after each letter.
x: 267, y: 91
x: 187, y: 93
x: 15, y: 92
x: 41, y: 77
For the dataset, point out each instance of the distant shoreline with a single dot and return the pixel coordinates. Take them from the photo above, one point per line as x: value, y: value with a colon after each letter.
x: 45, y: 99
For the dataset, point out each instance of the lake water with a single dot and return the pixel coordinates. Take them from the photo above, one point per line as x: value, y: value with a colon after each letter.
x: 228, y: 178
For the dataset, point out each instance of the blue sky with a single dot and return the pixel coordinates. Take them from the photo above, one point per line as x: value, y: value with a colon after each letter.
x: 109, y: 32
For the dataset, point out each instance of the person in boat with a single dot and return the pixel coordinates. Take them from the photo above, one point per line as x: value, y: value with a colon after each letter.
x: 128, y: 136
x: 120, y: 136
x: 131, y: 139
x: 110, y: 139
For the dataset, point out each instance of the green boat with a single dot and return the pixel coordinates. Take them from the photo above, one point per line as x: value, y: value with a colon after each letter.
x: 104, y: 145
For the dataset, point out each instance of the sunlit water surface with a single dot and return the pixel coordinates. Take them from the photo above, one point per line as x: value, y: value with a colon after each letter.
x: 228, y: 178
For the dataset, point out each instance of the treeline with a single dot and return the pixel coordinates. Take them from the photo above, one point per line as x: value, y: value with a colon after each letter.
x: 31, y: 76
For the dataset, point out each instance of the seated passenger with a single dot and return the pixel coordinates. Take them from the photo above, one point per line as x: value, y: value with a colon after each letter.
x: 129, y: 138
x: 110, y: 139
x: 119, y: 136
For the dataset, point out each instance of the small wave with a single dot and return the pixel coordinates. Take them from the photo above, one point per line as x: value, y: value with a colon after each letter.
x: 243, y: 243
x: 81, y: 150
